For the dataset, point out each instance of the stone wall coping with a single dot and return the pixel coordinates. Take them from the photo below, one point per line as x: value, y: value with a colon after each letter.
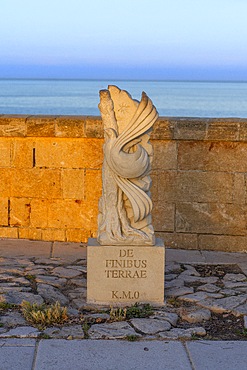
x: 166, y: 128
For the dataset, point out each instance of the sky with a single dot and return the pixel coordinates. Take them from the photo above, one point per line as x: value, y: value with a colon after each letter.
x: 124, y: 39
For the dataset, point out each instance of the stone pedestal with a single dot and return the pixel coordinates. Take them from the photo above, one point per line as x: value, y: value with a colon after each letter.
x: 124, y: 275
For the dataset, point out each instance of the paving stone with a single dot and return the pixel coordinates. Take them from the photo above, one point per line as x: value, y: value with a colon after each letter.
x: 18, y: 297
x: 11, y: 284
x: 82, y: 282
x: 82, y: 269
x: 7, y: 277
x: 198, y: 279
x: 228, y: 292
x: 114, y: 355
x: 65, y: 272
x: 51, y: 280
x: 176, y: 292
x: 171, y: 317
x: 175, y: 283
x: 22, y: 332
x: 69, y: 251
x: 234, y: 277
x: 51, y: 295
x: 178, y: 333
x: 241, y: 290
x: 36, y: 272
x: 22, y: 281
x: 245, y: 322
x: 170, y: 277
x: 190, y: 270
x: 150, y: 326
x: 5, y: 289
x: 194, y: 297
x: 12, y: 319
x: 222, y: 305
x: 218, y: 355
x: 11, y: 270
x: 79, y: 303
x: 232, y: 285
x: 17, y: 342
x: 240, y: 310
x: 72, y: 311
x: 78, y: 293
x: 210, y: 288
x: 16, y: 358
x: 66, y: 332
x: 172, y: 267
x: 115, y: 330
x: 195, y: 315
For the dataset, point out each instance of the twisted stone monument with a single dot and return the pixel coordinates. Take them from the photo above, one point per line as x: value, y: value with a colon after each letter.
x: 126, y: 263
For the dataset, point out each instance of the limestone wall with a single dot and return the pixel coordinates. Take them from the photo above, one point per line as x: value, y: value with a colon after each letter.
x: 50, y: 180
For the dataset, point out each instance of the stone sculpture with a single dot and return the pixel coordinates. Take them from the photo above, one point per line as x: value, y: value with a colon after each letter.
x: 125, y: 206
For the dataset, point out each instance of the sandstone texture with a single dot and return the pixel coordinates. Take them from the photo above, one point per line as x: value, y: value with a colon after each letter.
x: 50, y: 170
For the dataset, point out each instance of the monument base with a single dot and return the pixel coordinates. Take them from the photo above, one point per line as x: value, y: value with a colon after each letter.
x: 124, y: 275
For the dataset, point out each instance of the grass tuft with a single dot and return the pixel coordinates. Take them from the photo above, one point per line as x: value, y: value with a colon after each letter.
x: 44, y: 315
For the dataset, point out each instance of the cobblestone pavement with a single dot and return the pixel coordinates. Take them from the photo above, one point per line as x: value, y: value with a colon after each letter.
x: 200, y: 289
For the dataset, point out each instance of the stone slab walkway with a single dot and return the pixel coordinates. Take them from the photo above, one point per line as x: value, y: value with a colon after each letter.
x: 198, y: 287
x: 60, y: 354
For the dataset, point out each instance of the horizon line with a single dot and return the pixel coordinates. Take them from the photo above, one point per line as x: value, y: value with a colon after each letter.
x: 119, y: 79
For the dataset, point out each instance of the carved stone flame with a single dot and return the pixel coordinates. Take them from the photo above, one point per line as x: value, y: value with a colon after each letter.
x: 125, y: 206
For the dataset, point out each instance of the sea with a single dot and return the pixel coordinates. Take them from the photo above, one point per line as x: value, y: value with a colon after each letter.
x: 81, y: 97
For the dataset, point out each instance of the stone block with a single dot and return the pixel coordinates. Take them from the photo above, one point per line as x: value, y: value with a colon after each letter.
x: 53, y: 235
x: 20, y: 209
x: 125, y: 274
x: 188, y: 186
x: 226, y: 243
x: 163, y: 215
x: 239, y: 191
x: 243, y: 130
x: 30, y: 233
x: 5, y: 150
x: 163, y: 129
x: 73, y: 183
x: 212, y: 156
x: 17, y: 357
x: 4, y: 211
x: 179, y: 240
x: 70, y: 126
x: 94, y: 127
x: 93, y: 185
x: 9, y: 232
x: 154, y: 186
x: 224, y: 129
x: 36, y: 183
x: 69, y: 153
x: 72, y: 214
x: 23, y: 153
x: 41, y: 126
x: 13, y: 125
x: 211, y: 218
x: 39, y: 213
x: 5, y: 183
x: 190, y: 129
x: 77, y: 235
x: 165, y: 155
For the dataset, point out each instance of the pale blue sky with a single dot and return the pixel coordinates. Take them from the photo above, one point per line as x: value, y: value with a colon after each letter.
x: 136, y: 39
